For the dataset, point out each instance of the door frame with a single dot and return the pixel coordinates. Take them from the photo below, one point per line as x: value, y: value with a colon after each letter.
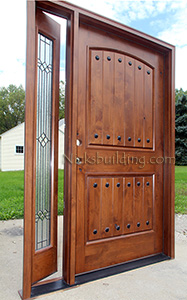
x: 74, y: 16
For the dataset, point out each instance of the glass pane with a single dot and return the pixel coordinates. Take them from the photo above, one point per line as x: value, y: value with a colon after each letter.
x: 43, y: 143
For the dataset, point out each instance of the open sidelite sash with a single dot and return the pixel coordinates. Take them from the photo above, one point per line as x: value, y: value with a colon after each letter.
x: 42, y: 247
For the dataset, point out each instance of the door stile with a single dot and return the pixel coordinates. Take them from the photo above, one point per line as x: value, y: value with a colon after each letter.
x: 29, y: 149
x: 169, y: 152
x: 70, y: 183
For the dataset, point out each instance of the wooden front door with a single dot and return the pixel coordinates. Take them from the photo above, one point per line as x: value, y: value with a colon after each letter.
x: 119, y: 195
x: 120, y: 150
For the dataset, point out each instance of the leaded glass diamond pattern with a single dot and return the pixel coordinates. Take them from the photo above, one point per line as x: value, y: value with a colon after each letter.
x: 42, y: 215
x: 43, y: 144
x: 44, y: 66
x: 43, y: 139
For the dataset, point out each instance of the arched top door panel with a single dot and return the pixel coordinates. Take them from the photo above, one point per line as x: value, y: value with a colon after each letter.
x: 120, y: 100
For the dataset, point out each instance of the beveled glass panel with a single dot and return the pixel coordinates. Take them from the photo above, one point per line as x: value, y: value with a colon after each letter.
x: 43, y: 143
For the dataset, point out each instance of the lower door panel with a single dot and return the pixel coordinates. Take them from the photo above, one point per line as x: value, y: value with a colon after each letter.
x: 118, y: 250
x: 118, y: 220
x: 118, y: 206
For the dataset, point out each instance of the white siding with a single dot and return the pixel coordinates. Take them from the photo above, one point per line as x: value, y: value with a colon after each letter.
x: 10, y: 139
x: 10, y: 161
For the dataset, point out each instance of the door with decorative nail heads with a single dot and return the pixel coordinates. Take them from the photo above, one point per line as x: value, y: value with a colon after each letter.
x: 120, y: 114
x: 120, y: 117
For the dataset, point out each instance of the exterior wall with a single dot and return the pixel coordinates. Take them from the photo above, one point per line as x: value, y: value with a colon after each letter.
x: 10, y: 159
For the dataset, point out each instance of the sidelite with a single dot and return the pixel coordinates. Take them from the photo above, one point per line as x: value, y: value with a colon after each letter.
x: 43, y: 144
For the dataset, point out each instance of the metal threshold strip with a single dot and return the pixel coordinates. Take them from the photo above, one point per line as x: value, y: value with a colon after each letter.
x: 60, y: 284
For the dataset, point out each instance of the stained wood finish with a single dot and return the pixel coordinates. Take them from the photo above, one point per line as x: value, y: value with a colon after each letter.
x: 44, y: 261
x: 111, y: 79
x: 152, y: 44
x: 88, y: 32
x: 114, y: 77
x: 41, y: 263
x: 94, y: 214
x: 118, y: 206
x: 70, y: 199
x: 128, y: 210
x: 29, y: 150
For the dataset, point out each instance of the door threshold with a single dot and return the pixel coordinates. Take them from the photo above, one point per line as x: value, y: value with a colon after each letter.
x: 60, y: 284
